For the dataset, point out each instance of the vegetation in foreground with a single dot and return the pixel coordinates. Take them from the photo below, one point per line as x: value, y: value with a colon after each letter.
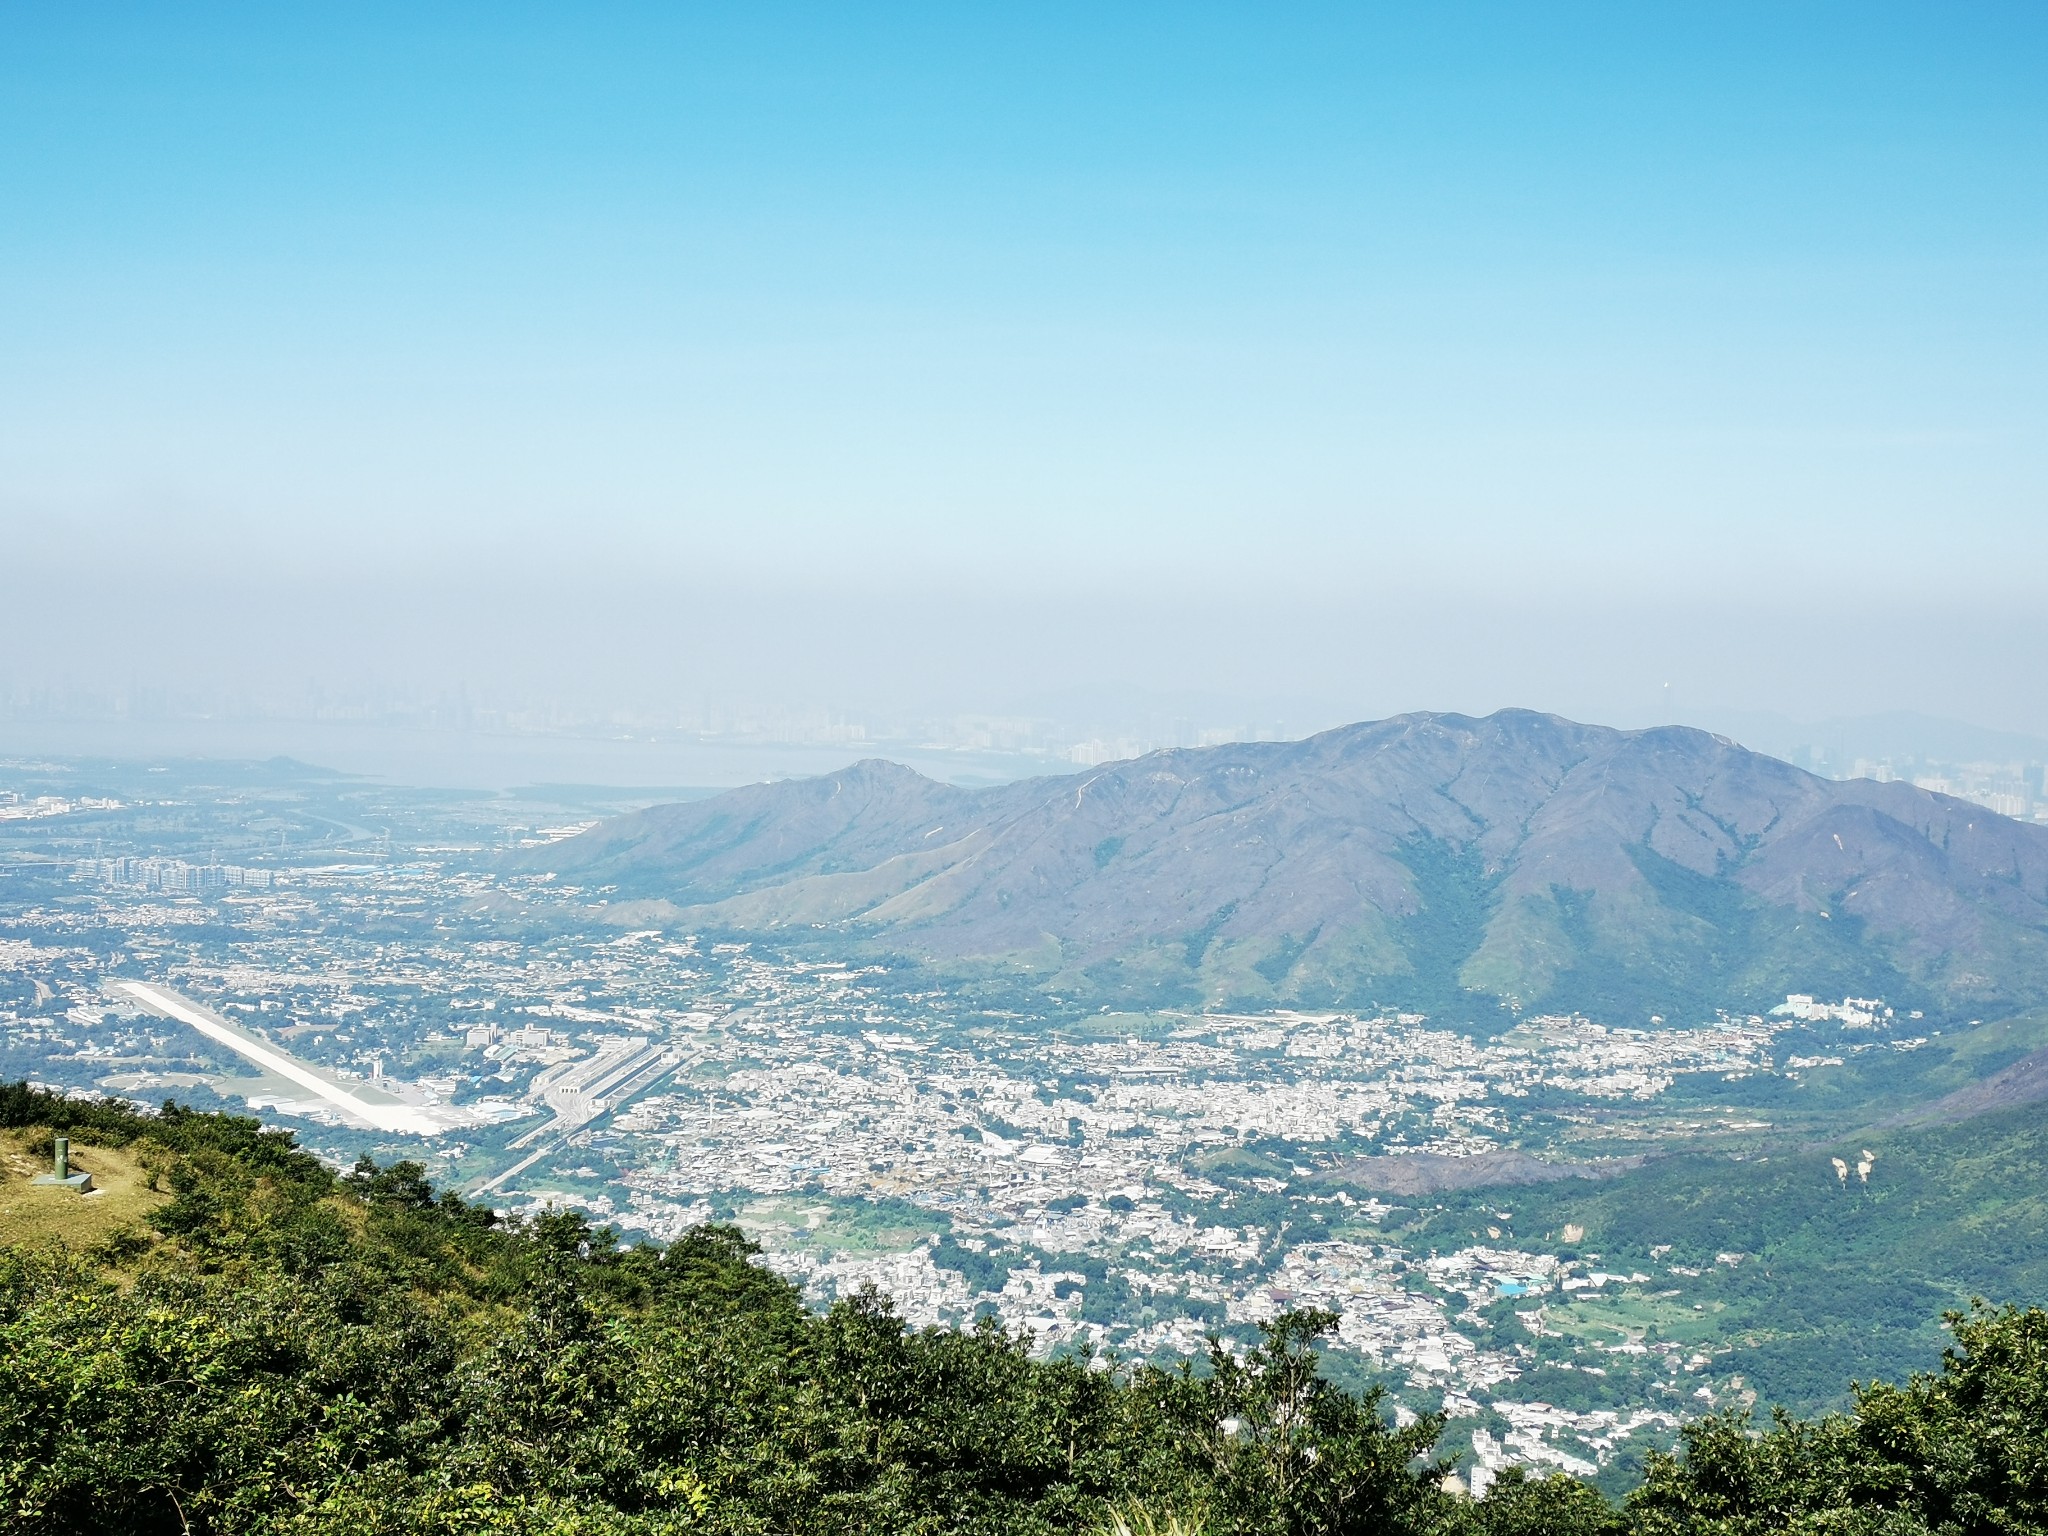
x: 268, y: 1347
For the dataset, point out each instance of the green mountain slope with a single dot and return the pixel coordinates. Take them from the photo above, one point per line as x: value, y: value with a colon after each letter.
x: 1807, y: 1276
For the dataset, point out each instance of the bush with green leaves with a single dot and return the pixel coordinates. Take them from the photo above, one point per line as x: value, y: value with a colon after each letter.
x: 292, y: 1353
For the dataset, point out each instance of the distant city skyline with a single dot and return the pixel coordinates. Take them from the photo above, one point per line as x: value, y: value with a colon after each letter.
x: 457, y: 738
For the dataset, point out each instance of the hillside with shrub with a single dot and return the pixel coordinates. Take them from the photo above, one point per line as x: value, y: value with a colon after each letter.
x: 262, y: 1345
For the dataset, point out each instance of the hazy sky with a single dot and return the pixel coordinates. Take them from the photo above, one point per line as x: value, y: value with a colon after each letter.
x: 1372, y: 357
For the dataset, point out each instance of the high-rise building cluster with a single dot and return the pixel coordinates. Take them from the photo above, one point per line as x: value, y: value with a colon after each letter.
x: 174, y: 876
x: 2018, y: 790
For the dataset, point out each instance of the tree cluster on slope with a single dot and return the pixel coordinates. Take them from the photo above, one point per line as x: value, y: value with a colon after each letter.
x: 287, y: 1351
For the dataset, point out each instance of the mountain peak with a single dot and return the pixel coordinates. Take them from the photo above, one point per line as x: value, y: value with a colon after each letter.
x: 1443, y: 861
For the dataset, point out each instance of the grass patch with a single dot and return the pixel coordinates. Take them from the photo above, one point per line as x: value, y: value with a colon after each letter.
x: 1634, y: 1317
x: 1240, y: 1162
x: 36, y: 1216
x: 834, y: 1225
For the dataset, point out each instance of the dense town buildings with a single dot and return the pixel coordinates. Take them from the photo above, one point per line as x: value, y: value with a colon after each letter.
x: 1131, y: 1182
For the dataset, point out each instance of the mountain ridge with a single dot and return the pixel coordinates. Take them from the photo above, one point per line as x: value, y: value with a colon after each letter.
x: 1517, y: 859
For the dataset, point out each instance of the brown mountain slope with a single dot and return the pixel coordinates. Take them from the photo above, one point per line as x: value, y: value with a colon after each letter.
x: 1432, y: 859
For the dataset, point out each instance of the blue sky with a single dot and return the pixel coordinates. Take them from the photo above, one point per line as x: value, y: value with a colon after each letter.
x: 1616, y: 318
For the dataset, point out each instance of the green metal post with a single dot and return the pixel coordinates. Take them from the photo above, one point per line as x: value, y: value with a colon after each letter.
x: 63, y: 1157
